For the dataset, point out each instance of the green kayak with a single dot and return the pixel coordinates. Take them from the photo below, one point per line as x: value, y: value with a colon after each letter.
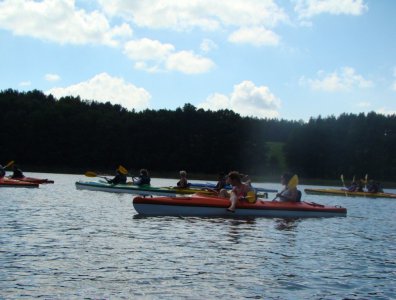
x: 144, y: 190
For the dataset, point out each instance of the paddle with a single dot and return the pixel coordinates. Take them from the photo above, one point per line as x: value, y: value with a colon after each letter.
x: 293, y: 182
x: 343, y: 183
x: 122, y: 170
x: 342, y: 179
x: 93, y: 174
x: 365, y: 181
x: 9, y: 164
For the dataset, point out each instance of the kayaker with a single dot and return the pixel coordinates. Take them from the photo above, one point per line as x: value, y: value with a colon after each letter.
x: 289, y: 193
x: 143, y: 178
x: 2, y: 171
x: 183, y: 182
x: 17, y: 173
x: 221, y: 182
x: 353, y: 187
x: 239, y: 190
x: 374, y: 187
x: 119, y: 178
x: 246, y: 180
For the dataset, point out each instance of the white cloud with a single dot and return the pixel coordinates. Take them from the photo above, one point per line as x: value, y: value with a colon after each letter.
x: 154, y: 56
x: 52, y: 77
x: 208, y: 45
x: 345, y: 80
x: 203, y: 14
x: 146, y: 49
x: 257, y: 36
x: 364, y: 104
x: 188, y: 62
x: 247, y: 99
x: 25, y: 83
x: 386, y: 112
x: 103, y: 88
x: 216, y: 102
x: 60, y: 22
x: 310, y: 8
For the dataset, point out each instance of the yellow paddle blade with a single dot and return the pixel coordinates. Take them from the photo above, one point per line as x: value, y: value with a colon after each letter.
x: 90, y: 174
x: 365, y: 178
x: 293, y: 182
x: 9, y: 164
x: 342, y: 177
x: 251, y: 196
x: 122, y: 170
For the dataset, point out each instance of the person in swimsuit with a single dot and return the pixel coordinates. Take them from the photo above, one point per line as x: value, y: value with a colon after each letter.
x: 239, y: 190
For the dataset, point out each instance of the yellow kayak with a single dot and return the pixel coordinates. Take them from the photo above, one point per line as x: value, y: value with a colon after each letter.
x: 341, y: 192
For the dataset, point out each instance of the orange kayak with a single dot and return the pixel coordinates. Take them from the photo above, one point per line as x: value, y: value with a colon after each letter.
x: 7, y: 182
x: 211, y: 206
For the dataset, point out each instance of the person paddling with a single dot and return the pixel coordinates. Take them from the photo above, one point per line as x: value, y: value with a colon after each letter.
x: 119, y: 178
x: 183, y: 182
x: 290, y: 192
x: 143, y: 178
x: 17, y: 173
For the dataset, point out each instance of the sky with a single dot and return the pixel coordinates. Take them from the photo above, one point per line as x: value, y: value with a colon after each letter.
x: 284, y: 59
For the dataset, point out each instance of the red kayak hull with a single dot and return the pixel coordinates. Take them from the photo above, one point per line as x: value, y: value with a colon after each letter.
x: 34, y: 180
x: 7, y: 182
x: 199, y: 205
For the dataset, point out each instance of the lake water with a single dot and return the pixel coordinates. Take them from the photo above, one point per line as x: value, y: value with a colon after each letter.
x: 60, y: 243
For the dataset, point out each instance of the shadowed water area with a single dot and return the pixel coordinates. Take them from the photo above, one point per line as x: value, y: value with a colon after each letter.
x: 60, y: 243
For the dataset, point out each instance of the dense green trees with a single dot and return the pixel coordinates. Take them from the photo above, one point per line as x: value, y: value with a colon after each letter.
x: 350, y: 144
x: 41, y: 132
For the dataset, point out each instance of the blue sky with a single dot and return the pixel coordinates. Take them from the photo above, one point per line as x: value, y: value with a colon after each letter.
x: 289, y: 59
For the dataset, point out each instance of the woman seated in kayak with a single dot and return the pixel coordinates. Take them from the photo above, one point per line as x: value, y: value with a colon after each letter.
x: 143, y: 178
x: 374, y: 187
x: 183, y: 182
x: 119, y: 178
x: 239, y: 190
x: 353, y: 187
x: 17, y: 173
x: 290, y: 192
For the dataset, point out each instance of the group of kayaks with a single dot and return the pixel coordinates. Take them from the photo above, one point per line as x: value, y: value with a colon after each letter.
x: 22, y: 182
x: 200, y: 200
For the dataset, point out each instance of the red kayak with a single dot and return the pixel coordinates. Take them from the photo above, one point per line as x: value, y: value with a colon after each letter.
x: 7, y: 182
x: 211, y: 206
x: 33, y: 180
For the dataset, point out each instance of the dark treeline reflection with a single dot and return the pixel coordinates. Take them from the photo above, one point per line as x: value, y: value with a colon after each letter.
x: 38, y: 130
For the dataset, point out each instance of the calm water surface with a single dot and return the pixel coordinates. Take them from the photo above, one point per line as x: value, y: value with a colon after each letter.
x: 60, y: 243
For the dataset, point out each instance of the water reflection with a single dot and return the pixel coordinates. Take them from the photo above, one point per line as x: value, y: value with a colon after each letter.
x: 237, y: 228
x: 286, y: 224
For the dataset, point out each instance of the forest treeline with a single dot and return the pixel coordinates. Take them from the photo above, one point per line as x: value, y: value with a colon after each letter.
x: 69, y: 133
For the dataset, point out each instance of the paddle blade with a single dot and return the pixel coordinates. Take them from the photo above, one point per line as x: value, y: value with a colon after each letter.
x: 251, y: 196
x: 9, y: 164
x: 122, y: 170
x: 90, y: 174
x: 342, y: 179
x: 293, y: 182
